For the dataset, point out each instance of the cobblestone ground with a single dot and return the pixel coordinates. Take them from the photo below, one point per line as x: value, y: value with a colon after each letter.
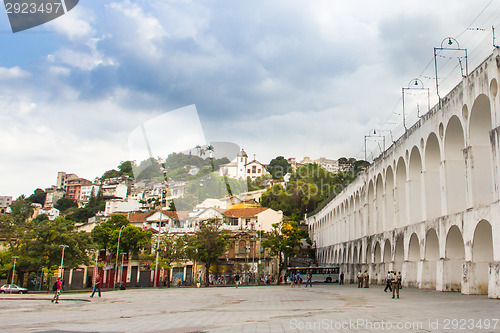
x: 323, y: 308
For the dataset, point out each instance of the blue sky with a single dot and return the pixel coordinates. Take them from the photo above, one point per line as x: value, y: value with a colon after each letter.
x: 291, y: 78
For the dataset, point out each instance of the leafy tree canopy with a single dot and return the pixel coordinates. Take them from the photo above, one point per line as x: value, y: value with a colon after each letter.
x: 96, y: 204
x: 64, y: 204
x: 124, y: 169
x: 39, y: 245
x: 285, y: 238
x: 21, y: 210
x: 38, y: 196
x: 309, y: 186
x: 179, y: 165
x: 132, y: 239
x: 207, y: 244
x: 278, y: 167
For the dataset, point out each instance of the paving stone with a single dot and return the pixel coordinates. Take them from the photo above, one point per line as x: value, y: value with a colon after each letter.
x: 323, y: 308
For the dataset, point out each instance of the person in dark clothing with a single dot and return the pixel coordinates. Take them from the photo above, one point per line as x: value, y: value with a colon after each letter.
x: 97, y: 286
x: 388, y: 282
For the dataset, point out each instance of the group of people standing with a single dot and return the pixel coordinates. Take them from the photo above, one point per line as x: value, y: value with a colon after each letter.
x: 363, y: 279
x: 393, y: 280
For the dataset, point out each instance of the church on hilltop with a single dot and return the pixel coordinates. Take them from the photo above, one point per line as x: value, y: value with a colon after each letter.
x: 240, y: 168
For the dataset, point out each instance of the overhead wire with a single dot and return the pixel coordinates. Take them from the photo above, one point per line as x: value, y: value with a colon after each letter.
x: 477, y: 51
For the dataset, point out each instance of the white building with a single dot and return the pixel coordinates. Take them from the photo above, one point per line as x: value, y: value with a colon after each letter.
x: 117, y: 205
x: 240, y: 168
x: 211, y: 203
x: 53, y: 194
x: 115, y: 190
x: 325, y: 163
x: 88, y: 191
x: 52, y: 213
x: 5, y: 202
x: 251, y: 218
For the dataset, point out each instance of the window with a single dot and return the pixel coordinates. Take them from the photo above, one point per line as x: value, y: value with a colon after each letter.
x: 233, y: 221
x: 242, y: 247
x: 247, y: 222
x: 254, y: 169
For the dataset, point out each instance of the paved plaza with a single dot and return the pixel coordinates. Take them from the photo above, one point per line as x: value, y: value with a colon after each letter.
x: 323, y: 308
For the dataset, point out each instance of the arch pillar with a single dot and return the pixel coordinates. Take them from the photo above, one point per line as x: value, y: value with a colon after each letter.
x: 420, y: 274
x: 494, y: 280
x: 495, y: 137
x: 470, y: 285
x: 440, y: 266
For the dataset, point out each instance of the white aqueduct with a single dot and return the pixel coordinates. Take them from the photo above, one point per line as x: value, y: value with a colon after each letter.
x: 429, y: 206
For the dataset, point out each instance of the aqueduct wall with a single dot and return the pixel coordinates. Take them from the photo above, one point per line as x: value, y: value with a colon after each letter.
x: 429, y: 206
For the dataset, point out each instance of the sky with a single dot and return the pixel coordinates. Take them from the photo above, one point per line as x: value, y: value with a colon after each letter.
x: 290, y: 78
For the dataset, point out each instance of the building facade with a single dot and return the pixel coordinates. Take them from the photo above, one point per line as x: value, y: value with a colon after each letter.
x: 429, y: 205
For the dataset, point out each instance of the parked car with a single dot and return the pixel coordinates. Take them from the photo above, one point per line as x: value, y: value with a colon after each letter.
x: 12, y: 288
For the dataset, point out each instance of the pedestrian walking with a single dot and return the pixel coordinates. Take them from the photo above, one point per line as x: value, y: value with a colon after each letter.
x: 292, y: 280
x: 97, y: 285
x: 309, y: 279
x: 388, y: 279
x: 360, y: 279
x: 237, y: 279
x: 298, y: 279
x: 57, y: 286
x: 366, y: 278
x: 341, y: 278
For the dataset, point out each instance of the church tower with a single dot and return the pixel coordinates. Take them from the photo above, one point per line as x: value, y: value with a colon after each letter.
x: 241, y: 162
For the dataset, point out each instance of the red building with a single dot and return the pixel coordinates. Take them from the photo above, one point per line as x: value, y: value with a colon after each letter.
x: 74, y: 186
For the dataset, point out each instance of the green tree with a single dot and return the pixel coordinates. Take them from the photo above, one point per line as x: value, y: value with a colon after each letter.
x: 132, y: 239
x: 284, y: 240
x: 10, y: 229
x: 126, y: 168
x: 39, y: 245
x: 38, y: 196
x: 96, y: 204
x: 172, y: 248
x: 207, y: 244
x: 259, y: 183
x: 6, y: 264
x: 278, y: 167
x: 64, y: 204
x: 21, y: 209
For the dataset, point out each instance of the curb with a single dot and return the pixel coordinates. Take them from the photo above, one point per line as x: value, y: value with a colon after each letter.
x: 41, y: 299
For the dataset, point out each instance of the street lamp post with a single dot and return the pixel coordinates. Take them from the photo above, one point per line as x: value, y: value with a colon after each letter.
x: 253, y: 254
x: 121, y: 267
x: 117, y: 254
x: 14, y: 269
x: 158, y: 242
x: 63, y: 246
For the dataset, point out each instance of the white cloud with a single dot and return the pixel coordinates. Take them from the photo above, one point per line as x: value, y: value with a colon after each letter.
x: 13, y: 73
x: 139, y: 33
x: 75, y: 25
x: 291, y: 78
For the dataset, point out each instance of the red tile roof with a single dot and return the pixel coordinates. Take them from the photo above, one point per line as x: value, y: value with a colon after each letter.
x: 134, y: 217
x: 244, y: 212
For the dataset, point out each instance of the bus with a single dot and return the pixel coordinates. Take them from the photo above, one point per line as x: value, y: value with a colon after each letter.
x: 319, y: 274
